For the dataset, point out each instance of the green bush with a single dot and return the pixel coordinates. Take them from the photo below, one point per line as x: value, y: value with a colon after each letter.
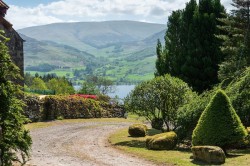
x: 219, y: 125
x: 157, y: 123
x: 137, y: 130
x: 159, y: 98
x: 70, y: 107
x: 33, y: 107
x: 239, y: 92
x: 163, y: 141
x: 189, y: 114
x: 248, y: 130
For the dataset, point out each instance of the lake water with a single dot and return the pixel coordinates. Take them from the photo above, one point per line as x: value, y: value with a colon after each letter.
x: 120, y: 90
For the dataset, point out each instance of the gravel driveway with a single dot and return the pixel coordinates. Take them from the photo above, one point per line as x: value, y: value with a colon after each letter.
x: 79, y: 144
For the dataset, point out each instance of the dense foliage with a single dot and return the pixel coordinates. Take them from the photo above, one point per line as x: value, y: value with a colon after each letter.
x: 219, y: 124
x: 236, y: 40
x: 71, y: 107
x: 58, y: 85
x: 97, y: 85
x: 192, y: 52
x: 14, y: 138
x: 238, y: 91
x: 159, y: 98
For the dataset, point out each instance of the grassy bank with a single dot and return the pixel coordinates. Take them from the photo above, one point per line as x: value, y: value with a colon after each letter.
x: 136, y: 146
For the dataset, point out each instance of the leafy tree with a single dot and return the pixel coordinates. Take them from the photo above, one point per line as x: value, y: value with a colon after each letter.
x: 88, y: 88
x: 219, y: 125
x: 38, y: 84
x: 160, y: 61
x: 60, y: 86
x: 104, y: 85
x: 159, y: 98
x: 14, y: 138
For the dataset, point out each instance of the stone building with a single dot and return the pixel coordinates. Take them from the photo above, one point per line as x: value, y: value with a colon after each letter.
x: 16, y: 42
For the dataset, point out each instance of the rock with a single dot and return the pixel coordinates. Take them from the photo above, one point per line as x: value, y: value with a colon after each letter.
x: 163, y: 141
x: 137, y: 130
x: 209, y: 154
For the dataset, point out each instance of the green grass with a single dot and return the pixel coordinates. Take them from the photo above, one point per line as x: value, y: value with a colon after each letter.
x: 136, y: 146
x: 58, y: 72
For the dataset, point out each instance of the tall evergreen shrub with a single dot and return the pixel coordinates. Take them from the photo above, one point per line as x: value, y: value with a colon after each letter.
x: 219, y: 125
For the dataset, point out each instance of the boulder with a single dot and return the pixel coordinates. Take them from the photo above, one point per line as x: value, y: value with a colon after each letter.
x: 163, y: 141
x: 137, y: 130
x: 209, y: 154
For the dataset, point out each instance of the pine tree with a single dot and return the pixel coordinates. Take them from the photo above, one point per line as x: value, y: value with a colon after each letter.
x: 160, y: 63
x: 193, y: 51
x: 203, y: 48
x: 236, y: 44
x: 13, y: 137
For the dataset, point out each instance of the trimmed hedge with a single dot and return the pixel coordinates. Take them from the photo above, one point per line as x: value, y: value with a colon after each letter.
x: 163, y: 141
x: 33, y: 108
x: 137, y: 130
x: 219, y: 125
x: 68, y: 107
x: 77, y: 107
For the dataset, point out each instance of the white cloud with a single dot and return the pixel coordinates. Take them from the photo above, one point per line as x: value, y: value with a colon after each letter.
x: 25, y: 17
x: 88, y: 10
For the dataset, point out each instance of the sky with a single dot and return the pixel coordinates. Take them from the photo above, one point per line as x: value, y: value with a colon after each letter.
x: 26, y: 13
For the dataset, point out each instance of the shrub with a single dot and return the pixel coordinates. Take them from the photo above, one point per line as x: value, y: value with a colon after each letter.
x: 137, y: 130
x: 32, y: 108
x: 159, y: 98
x: 157, y: 123
x: 163, y: 141
x: 248, y: 130
x: 189, y: 114
x: 71, y: 107
x: 219, y: 125
x: 239, y: 92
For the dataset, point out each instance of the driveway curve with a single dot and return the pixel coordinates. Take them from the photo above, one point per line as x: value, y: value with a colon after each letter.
x: 79, y: 144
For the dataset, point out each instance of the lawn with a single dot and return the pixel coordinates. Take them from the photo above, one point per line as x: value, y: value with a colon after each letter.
x: 136, y: 146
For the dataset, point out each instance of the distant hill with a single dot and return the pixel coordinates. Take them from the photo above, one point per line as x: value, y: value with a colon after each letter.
x: 115, y: 49
x: 95, y: 34
x: 40, y: 52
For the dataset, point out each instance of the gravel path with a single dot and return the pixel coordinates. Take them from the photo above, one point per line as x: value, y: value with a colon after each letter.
x: 79, y: 144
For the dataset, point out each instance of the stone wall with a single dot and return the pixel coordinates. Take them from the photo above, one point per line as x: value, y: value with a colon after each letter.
x: 15, y: 48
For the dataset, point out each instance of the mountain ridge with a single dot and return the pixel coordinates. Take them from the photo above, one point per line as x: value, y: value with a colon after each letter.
x: 118, y: 50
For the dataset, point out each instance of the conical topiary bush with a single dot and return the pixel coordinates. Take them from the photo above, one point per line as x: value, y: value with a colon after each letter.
x: 219, y: 125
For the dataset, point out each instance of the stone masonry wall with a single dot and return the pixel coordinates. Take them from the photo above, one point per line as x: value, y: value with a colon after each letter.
x: 15, y: 49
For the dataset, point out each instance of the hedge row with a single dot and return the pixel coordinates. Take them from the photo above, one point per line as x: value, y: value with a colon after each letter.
x: 68, y: 107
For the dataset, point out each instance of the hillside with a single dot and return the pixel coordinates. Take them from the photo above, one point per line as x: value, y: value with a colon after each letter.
x: 121, y: 50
